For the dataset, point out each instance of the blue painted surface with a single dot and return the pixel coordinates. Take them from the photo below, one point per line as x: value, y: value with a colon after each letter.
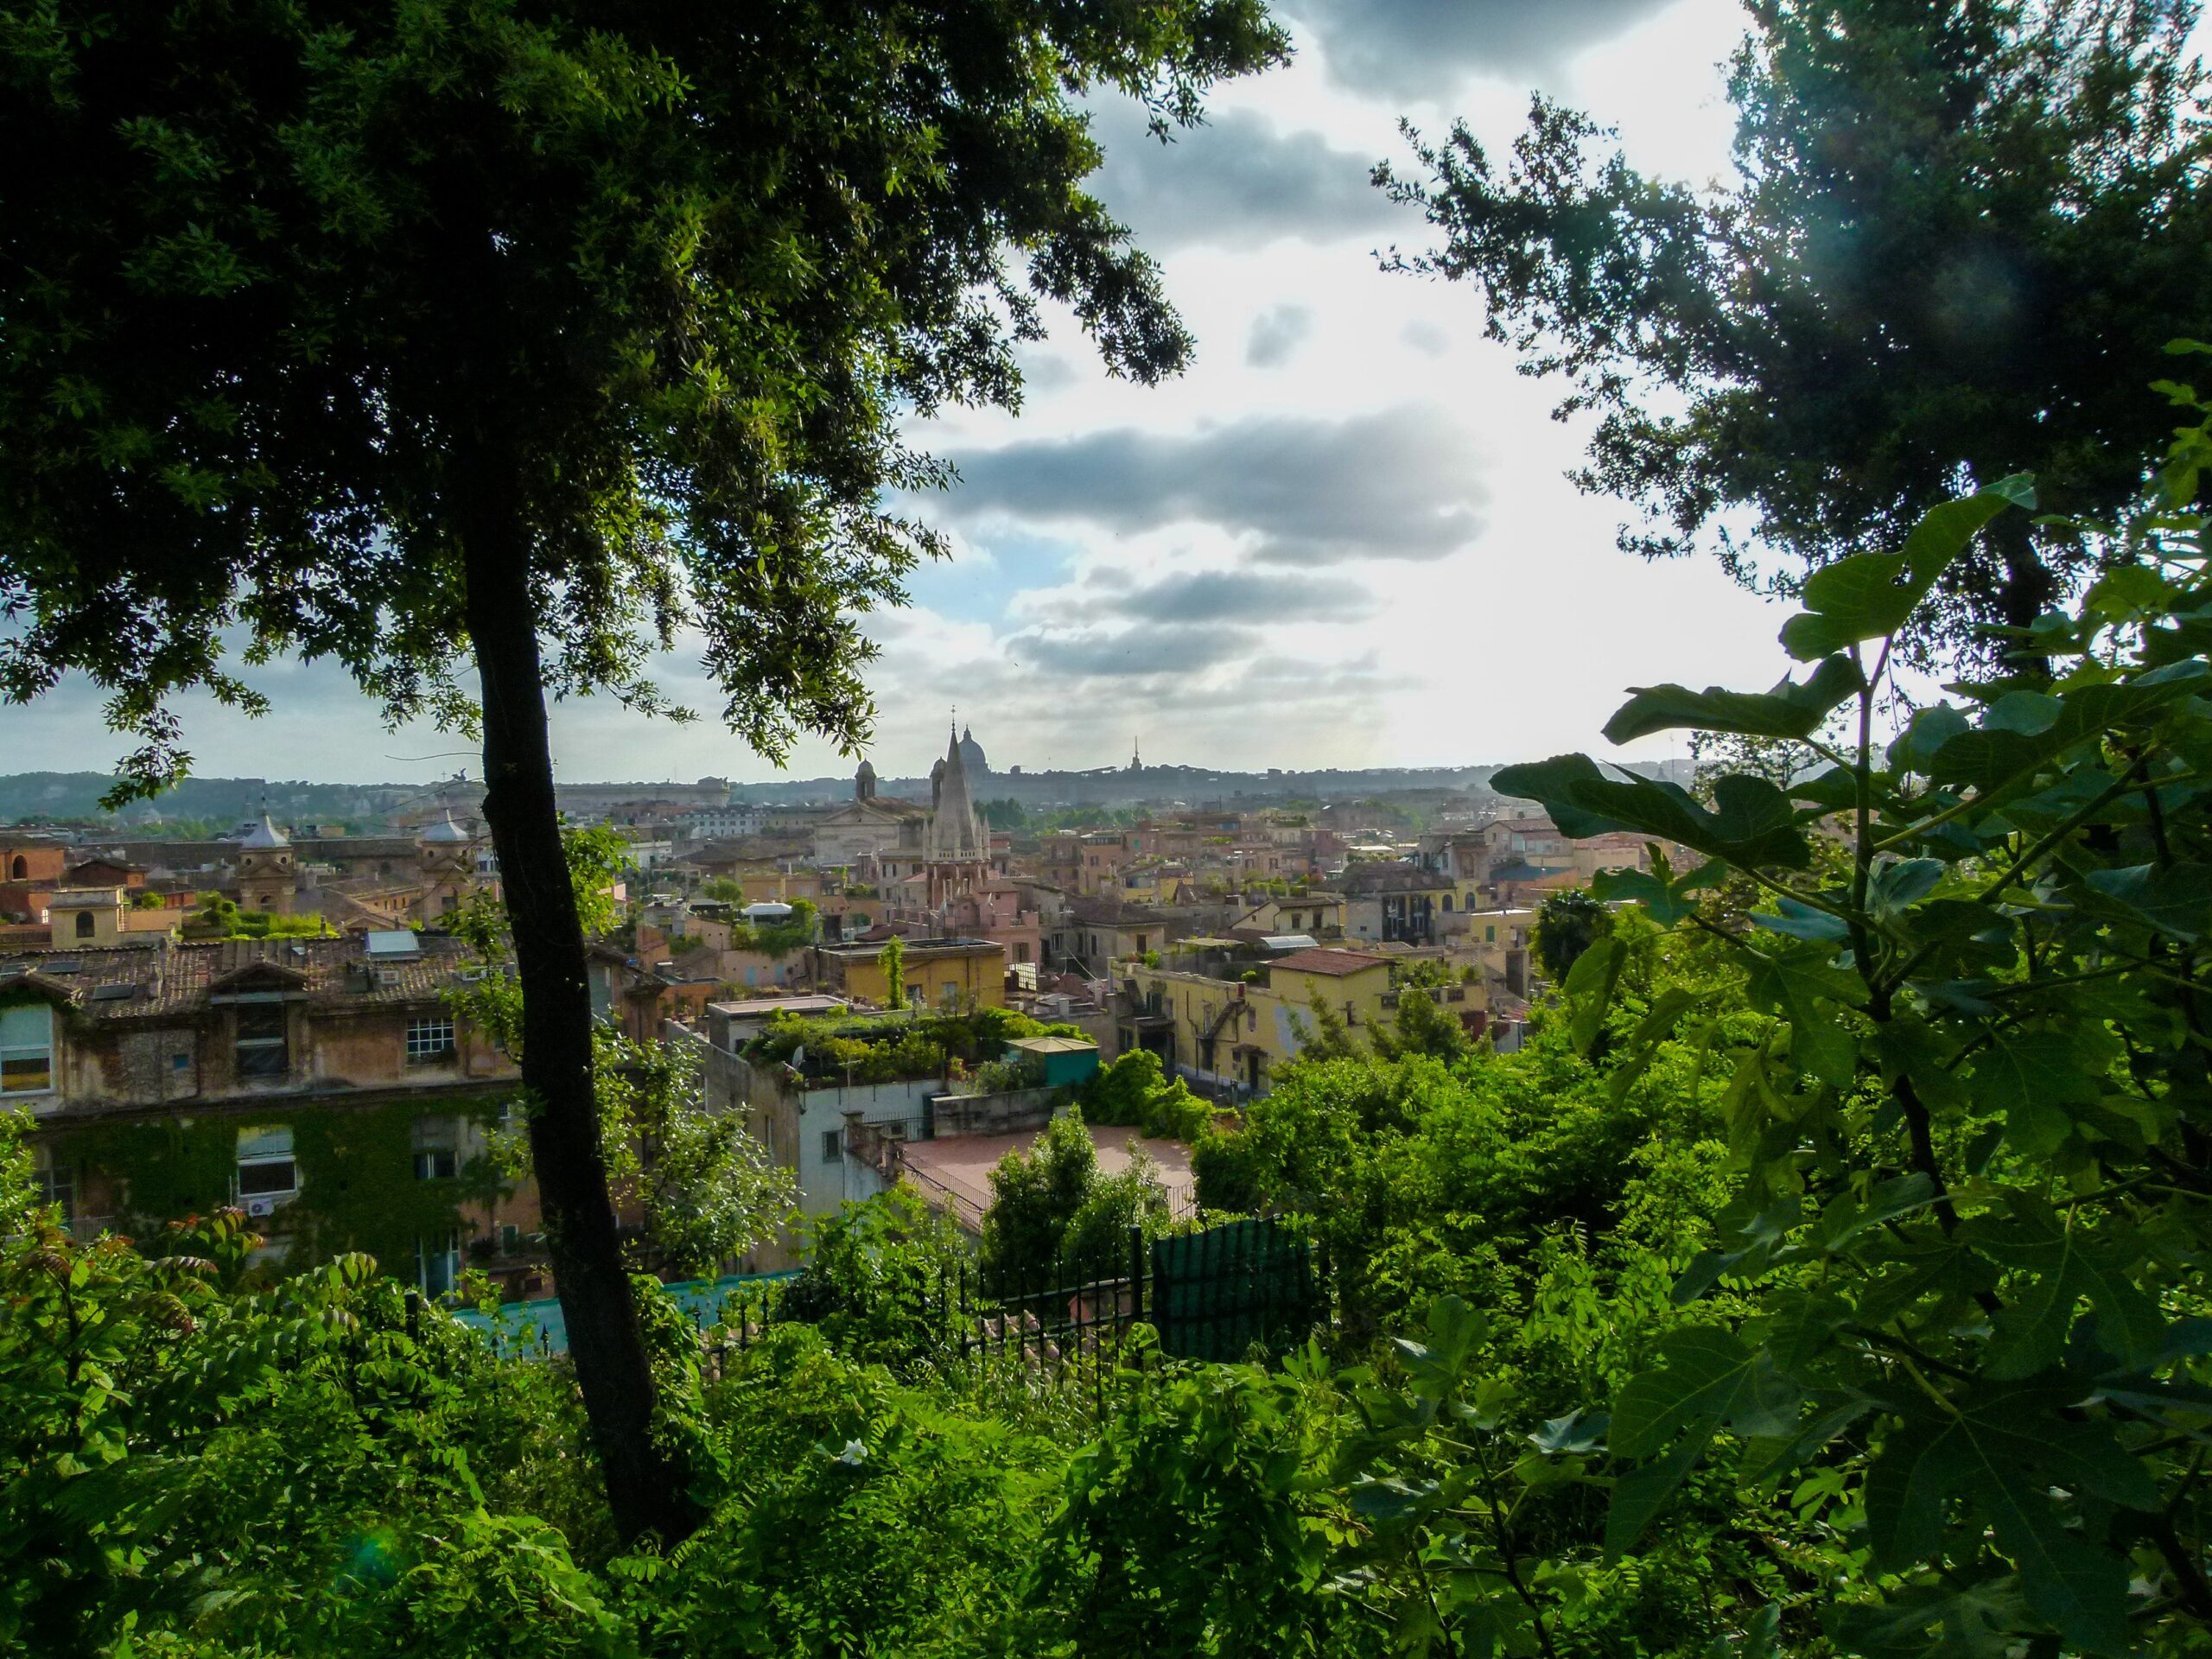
x: 539, y: 1328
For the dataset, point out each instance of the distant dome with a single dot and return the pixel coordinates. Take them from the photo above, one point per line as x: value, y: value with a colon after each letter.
x: 445, y: 831
x: 264, y: 837
x: 972, y: 753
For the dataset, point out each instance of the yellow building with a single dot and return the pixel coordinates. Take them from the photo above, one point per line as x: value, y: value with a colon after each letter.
x: 939, y: 973
x: 1321, y: 914
x: 1239, y: 1030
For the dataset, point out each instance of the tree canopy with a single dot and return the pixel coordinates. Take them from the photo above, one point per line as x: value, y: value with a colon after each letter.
x: 1957, y: 240
x: 465, y: 334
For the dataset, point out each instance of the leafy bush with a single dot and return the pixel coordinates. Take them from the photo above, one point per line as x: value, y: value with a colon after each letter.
x: 877, y: 1279
x: 1135, y: 1090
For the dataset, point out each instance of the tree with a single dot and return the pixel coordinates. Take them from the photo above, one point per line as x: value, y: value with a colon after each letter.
x: 722, y: 889
x: 892, y: 959
x: 1420, y: 1028
x: 454, y: 335
x: 1568, y: 924
x: 1959, y: 237
x: 1953, y: 1283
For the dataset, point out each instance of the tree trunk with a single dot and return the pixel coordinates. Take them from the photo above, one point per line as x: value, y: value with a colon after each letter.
x: 645, y: 1488
x: 2031, y: 587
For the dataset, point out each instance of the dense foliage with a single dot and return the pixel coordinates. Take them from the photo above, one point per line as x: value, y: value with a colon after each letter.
x: 1959, y: 1289
x: 1824, y: 1272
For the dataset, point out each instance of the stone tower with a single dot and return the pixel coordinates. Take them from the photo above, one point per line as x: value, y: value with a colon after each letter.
x: 267, y: 879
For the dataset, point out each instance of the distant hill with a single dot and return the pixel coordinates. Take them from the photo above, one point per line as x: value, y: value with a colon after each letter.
x: 75, y: 795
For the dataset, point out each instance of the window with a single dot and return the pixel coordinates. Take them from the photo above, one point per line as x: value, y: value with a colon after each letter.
x: 510, y: 1238
x: 85, y: 923
x: 180, y: 1062
x: 1447, y: 903
x: 263, y: 1050
x: 56, y: 1188
x: 429, y: 1040
x: 437, y: 1264
x: 1021, y: 950
x: 833, y: 1146
x: 26, y: 1049
x: 266, y: 1167
x: 1489, y: 936
x: 20, y: 870
x: 438, y: 1143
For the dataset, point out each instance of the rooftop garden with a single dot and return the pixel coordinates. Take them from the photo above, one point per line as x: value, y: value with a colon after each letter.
x: 894, y: 1047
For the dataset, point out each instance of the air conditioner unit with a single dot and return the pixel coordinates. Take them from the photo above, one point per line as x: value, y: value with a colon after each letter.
x: 260, y: 1207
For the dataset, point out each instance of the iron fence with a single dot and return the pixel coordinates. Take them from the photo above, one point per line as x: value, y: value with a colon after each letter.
x: 1218, y: 1295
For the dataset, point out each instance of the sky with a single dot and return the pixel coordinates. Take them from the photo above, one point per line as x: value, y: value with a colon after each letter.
x: 1345, y: 538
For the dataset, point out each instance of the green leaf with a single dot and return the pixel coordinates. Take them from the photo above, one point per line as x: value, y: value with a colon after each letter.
x: 1709, y: 1379
x: 1790, y: 710
x: 2001, y: 1453
x: 1895, y: 886
x: 1589, y: 989
x: 1640, y: 1494
x: 1801, y: 986
x: 1658, y: 1022
x: 2176, y: 901
x: 1980, y: 1621
x: 2023, y: 729
x: 1664, y: 903
x: 2071, y: 1266
x: 1845, y: 1218
x: 2032, y: 1077
x: 1795, y: 919
x: 1870, y: 595
x: 1752, y: 826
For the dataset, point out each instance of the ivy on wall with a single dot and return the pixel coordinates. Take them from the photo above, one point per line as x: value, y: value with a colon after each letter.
x: 358, y: 1189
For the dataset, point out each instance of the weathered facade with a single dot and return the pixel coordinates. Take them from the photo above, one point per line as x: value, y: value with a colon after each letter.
x: 326, y: 1086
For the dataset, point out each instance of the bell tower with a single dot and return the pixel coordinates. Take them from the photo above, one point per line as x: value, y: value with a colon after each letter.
x: 267, y: 879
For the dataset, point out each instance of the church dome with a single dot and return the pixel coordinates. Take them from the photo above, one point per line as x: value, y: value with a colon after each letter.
x: 972, y: 753
x: 264, y: 837
x: 446, y: 832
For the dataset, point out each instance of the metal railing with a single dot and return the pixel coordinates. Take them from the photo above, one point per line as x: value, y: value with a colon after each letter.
x: 1220, y: 1294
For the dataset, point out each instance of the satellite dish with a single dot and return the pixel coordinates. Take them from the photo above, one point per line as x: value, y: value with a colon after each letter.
x: 798, y: 1057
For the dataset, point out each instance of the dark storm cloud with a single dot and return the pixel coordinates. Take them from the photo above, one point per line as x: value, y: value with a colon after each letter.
x: 1396, y: 483
x: 1234, y: 182
x: 1427, y: 49
x: 1276, y: 334
x: 1220, y: 596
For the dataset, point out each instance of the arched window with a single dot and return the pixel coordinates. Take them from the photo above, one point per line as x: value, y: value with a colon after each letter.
x: 84, y: 923
x: 21, y: 869
x: 1447, y: 904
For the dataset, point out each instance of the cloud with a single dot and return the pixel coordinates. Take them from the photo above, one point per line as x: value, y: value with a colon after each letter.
x: 1276, y: 333
x: 1427, y: 48
x: 1239, y: 595
x: 1045, y: 372
x: 1234, y: 183
x: 1306, y: 490
x: 1146, y: 648
x: 1426, y: 338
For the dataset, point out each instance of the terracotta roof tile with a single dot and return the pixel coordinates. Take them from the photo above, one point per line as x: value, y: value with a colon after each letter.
x: 173, y: 978
x: 1336, y: 964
